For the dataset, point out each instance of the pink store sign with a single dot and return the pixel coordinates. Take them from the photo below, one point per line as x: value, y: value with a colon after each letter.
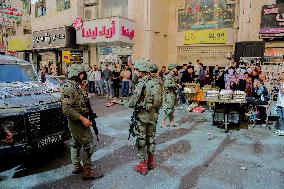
x: 114, y: 29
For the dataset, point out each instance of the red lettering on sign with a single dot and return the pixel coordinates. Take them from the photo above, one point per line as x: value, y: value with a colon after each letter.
x: 127, y: 33
x: 106, y: 32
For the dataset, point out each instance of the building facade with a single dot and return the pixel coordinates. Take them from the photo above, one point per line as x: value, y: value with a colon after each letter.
x: 15, y: 23
x: 165, y: 31
x: 182, y: 31
x: 54, y: 39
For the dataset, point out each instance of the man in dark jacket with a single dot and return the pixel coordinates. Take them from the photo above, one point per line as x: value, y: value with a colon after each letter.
x: 202, y: 75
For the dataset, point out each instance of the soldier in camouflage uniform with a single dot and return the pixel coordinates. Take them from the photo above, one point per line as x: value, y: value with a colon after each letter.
x: 169, y: 95
x: 147, y: 99
x: 74, y: 107
x: 156, y: 81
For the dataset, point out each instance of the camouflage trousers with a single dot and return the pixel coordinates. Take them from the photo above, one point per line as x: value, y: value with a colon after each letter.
x: 145, y: 141
x: 169, y: 106
x: 168, y: 113
x: 81, y: 138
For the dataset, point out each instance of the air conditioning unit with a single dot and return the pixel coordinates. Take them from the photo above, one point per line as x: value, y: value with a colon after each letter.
x: 90, y: 2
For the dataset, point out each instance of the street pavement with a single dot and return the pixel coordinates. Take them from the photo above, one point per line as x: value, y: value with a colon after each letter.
x: 187, y: 157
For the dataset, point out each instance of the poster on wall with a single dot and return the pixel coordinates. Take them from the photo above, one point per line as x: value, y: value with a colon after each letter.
x: 105, y: 50
x: 272, y: 21
x: 76, y: 57
x: 66, y: 57
x: 206, y: 14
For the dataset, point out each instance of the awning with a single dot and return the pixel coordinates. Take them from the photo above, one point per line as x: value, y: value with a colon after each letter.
x: 20, y: 43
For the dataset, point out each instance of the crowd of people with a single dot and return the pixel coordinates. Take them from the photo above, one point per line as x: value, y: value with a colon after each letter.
x: 238, y: 76
x: 107, y: 82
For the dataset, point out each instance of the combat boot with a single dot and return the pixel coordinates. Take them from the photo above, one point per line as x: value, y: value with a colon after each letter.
x: 77, y: 168
x: 88, y: 173
x: 141, y: 168
x: 151, y: 163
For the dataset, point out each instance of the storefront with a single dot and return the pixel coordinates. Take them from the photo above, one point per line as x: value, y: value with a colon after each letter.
x: 205, y: 32
x: 49, y: 46
x: 112, y: 38
x: 272, y: 32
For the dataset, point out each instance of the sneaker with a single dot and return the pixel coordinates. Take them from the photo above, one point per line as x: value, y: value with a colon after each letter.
x: 172, y: 124
x: 279, y: 132
x: 163, y: 124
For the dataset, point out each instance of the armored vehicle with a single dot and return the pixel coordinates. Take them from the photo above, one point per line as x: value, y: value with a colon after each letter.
x: 31, y: 117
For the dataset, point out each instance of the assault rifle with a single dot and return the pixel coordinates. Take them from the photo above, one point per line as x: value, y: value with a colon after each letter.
x: 92, y: 116
x: 133, y: 124
x: 94, y: 125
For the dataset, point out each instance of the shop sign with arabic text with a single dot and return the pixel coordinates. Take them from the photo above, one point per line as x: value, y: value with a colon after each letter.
x: 272, y: 19
x: 115, y: 29
x: 52, y: 38
x: 218, y: 36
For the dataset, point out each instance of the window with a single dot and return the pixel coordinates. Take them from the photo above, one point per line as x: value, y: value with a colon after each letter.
x: 17, y: 72
x: 40, y: 8
x: 62, y: 5
x: 114, y: 8
x: 27, y: 6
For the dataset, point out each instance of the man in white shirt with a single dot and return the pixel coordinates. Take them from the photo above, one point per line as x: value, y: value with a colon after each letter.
x: 197, y: 68
x: 91, y: 81
x: 98, y: 81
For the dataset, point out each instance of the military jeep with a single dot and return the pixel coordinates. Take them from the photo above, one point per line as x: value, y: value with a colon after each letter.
x: 31, y: 117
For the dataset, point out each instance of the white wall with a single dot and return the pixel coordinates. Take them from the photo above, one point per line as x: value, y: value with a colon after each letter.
x: 54, y: 19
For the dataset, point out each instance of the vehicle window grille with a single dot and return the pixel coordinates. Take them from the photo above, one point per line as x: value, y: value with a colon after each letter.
x: 43, y: 123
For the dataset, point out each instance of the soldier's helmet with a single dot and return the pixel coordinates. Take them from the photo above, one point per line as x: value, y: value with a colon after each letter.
x: 142, y: 65
x: 172, y: 66
x: 153, y: 68
x: 74, y: 69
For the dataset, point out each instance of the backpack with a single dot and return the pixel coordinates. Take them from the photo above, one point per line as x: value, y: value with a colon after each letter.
x: 169, y: 81
x: 153, y: 94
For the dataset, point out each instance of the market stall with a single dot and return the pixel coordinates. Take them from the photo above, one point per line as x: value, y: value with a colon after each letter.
x: 227, y: 106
